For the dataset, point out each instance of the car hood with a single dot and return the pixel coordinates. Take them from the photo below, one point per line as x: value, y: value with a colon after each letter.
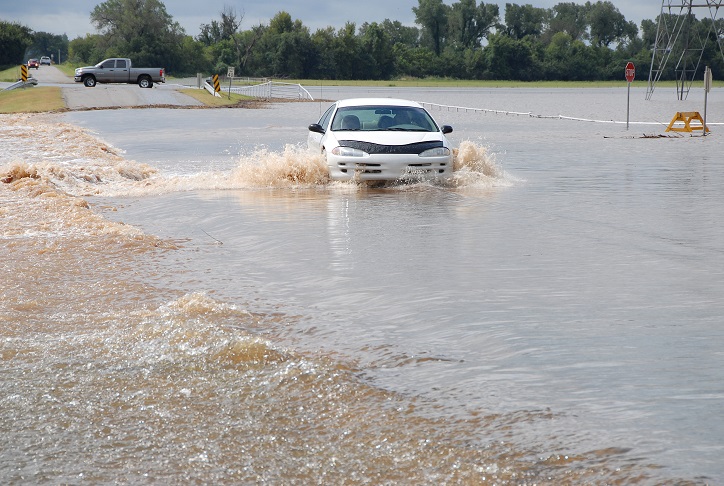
x: 388, y: 142
x: 386, y: 137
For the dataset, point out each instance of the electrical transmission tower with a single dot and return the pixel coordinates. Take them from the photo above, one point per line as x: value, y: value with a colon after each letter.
x: 678, y: 41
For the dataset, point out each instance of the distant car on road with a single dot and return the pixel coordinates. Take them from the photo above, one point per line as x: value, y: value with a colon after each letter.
x: 33, y: 63
x: 381, y: 139
x: 45, y: 60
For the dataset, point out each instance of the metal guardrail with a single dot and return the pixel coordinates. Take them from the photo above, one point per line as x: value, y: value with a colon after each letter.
x: 22, y: 84
x: 273, y: 90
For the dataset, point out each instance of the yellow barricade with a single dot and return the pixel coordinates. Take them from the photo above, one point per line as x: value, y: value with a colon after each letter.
x: 686, y: 117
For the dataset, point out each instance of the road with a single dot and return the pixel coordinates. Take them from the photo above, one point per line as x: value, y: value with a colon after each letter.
x: 78, y: 97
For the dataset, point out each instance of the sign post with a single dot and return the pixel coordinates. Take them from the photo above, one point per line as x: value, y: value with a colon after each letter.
x: 707, y: 88
x: 630, y: 73
x: 230, y: 75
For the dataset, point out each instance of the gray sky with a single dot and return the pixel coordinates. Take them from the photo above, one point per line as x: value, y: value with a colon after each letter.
x: 71, y: 17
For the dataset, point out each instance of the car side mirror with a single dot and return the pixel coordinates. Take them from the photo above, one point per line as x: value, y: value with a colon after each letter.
x: 317, y: 128
x: 446, y: 129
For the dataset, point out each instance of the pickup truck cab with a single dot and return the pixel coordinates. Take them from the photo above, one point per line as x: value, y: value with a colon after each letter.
x: 119, y: 70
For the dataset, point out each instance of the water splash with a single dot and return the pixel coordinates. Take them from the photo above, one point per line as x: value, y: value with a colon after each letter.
x: 294, y: 166
x: 476, y: 166
x: 79, y: 163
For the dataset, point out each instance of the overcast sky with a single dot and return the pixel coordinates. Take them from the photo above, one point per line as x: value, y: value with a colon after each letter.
x: 71, y: 17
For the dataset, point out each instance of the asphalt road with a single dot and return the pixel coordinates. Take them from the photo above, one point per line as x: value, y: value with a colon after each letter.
x: 78, y: 97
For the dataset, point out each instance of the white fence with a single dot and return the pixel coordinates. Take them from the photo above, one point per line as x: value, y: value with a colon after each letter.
x: 272, y: 90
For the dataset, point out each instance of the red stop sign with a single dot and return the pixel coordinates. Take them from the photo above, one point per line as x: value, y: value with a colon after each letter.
x: 630, y: 72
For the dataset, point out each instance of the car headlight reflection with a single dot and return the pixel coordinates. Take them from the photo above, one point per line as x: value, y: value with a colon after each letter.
x: 349, y: 152
x: 436, y: 152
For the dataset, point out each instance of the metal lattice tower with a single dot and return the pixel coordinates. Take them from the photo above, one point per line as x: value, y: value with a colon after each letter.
x: 676, y: 38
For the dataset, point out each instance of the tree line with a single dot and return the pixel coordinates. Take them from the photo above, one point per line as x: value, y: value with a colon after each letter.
x: 465, y: 40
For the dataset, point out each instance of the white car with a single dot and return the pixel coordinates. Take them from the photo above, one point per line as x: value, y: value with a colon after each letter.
x: 45, y: 60
x: 381, y: 139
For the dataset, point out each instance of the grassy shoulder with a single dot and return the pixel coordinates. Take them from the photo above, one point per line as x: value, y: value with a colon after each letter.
x: 66, y: 69
x: 215, y: 102
x: 10, y: 75
x: 31, y: 100
x: 463, y: 83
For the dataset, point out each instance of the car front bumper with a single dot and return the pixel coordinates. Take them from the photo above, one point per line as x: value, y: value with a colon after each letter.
x: 388, y: 167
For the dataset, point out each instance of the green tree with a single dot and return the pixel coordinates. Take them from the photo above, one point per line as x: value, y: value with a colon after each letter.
x: 401, y: 34
x: 14, y: 40
x: 510, y: 58
x: 608, y: 25
x: 51, y: 45
x: 524, y: 20
x: 432, y: 15
x: 569, y: 59
x: 140, y: 29
x: 195, y: 57
x: 377, y: 49
x: 288, y: 46
x: 322, y: 55
x: 85, y: 50
x: 417, y: 62
x: 570, y: 18
x: 469, y: 23
x: 648, y: 33
x: 221, y: 30
x: 347, y: 52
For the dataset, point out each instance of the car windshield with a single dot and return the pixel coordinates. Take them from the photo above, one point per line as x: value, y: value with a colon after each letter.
x: 383, y: 118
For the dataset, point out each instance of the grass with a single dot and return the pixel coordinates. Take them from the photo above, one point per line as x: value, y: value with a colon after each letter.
x: 463, y: 83
x: 13, y: 74
x: 31, y: 100
x: 212, y: 101
x: 10, y: 75
x: 66, y: 69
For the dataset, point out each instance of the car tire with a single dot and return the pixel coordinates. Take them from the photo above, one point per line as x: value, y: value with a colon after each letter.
x: 89, y: 81
x: 145, y: 82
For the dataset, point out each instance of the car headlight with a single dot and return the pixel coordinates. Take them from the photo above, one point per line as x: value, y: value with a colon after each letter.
x: 349, y: 152
x: 436, y: 152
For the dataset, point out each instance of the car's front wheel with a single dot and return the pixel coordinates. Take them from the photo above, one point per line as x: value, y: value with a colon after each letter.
x: 89, y: 81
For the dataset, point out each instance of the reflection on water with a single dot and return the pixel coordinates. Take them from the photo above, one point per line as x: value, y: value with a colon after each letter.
x: 552, y: 316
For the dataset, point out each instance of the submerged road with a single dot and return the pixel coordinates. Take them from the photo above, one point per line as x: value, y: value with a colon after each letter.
x: 78, y: 97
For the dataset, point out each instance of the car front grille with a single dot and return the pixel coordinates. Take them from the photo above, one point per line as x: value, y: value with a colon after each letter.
x: 411, y: 169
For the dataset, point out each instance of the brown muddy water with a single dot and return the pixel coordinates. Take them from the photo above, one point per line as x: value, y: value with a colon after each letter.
x: 186, y: 298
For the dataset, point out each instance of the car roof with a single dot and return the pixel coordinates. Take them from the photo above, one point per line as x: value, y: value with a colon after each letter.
x: 376, y: 102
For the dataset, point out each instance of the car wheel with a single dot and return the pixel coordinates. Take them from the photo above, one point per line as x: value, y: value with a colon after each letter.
x: 89, y: 81
x: 145, y: 82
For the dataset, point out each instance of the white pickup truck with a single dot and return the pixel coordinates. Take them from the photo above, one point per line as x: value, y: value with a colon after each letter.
x: 119, y: 70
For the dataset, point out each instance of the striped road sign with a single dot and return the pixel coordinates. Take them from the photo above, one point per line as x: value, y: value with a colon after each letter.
x: 217, y: 86
x: 24, y: 72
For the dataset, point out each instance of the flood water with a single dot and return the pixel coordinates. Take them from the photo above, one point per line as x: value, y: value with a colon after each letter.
x: 186, y: 298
